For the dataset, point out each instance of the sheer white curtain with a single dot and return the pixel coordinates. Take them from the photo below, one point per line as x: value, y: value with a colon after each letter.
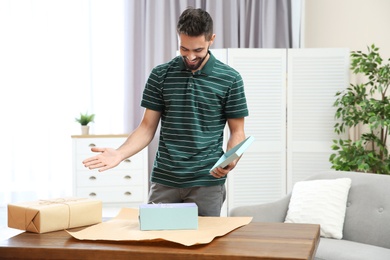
x: 57, y: 59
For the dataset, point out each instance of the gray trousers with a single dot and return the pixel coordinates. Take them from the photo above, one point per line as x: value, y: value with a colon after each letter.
x: 209, y: 199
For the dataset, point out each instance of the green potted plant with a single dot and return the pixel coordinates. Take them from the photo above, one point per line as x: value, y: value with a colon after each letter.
x: 84, y: 120
x: 364, y: 105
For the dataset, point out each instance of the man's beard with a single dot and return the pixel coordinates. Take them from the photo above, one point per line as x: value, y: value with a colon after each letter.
x: 196, y: 65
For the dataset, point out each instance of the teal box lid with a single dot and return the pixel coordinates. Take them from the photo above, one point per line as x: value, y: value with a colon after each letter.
x: 233, y: 153
x: 168, y: 216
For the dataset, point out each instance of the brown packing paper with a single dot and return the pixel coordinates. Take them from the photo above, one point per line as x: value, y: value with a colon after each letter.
x: 125, y: 227
x: 51, y: 215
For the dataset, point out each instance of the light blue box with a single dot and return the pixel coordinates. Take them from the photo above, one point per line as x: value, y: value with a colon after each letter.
x: 168, y: 216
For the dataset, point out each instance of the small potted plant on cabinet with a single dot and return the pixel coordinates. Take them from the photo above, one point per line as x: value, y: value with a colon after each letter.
x: 84, y: 120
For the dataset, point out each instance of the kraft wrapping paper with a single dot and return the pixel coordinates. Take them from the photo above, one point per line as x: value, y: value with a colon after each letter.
x: 125, y: 227
x: 51, y: 215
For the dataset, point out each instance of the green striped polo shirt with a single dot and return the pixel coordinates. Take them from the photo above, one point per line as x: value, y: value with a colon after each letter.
x: 194, y: 108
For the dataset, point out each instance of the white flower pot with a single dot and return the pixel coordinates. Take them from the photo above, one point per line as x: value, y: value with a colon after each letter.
x: 85, y: 129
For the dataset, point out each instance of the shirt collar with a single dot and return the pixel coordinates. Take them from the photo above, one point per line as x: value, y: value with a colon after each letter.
x: 207, y: 68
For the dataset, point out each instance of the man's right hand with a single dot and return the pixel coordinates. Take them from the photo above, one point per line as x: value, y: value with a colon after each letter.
x: 106, y: 159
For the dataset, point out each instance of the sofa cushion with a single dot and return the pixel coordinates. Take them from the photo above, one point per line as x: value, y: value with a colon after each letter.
x: 368, y: 207
x: 320, y: 202
x: 334, y: 249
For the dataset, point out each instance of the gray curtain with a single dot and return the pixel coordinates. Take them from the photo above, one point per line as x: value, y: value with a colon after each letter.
x: 151, y: 38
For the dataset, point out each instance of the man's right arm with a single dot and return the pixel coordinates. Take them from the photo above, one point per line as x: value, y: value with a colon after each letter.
x: 141, y: 137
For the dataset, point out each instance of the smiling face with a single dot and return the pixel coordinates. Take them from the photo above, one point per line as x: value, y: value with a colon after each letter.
x: 194, y: 50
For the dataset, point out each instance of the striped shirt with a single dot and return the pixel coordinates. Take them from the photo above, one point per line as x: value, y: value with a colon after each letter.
x: 194, y: 108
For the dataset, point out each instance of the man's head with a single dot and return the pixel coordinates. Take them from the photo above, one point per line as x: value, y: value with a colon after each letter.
x: 195, y: 22
x: 195, y: 31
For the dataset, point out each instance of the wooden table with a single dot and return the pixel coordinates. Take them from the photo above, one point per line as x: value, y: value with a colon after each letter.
x: 254, y: 241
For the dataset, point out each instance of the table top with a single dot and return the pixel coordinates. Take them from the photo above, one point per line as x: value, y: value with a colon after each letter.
x: 257, y: 240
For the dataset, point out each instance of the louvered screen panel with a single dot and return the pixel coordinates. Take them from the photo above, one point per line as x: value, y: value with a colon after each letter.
x: 314, y: 77
x: 261, y: 173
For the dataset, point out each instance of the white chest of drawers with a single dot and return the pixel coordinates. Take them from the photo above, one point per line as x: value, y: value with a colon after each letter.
x: 126, y: 185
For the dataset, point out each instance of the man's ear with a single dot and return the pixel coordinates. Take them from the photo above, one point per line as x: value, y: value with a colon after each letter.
x: 212, y: 39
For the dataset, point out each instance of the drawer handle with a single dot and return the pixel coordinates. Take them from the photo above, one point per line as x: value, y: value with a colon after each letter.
x: 92, y: 178
x: 127, y: 193
x: 127, y: 160
x: 92, y: 194
x: 127, y: 177
x: 92, y: 145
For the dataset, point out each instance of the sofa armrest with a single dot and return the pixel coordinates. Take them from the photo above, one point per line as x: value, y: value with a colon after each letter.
x: 268, y: 212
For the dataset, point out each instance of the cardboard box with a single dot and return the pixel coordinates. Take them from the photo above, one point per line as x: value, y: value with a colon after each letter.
x: 168, y: 216
x: 50, y: 215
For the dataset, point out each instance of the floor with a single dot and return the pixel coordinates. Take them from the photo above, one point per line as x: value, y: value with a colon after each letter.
x: 6, y: 232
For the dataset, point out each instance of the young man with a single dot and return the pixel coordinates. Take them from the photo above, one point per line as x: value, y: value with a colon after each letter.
x: 193, y: 95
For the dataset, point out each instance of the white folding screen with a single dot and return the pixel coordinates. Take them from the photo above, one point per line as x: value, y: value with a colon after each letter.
x: 314, y: 77
x: 290, y: 94
x: 260, y: 175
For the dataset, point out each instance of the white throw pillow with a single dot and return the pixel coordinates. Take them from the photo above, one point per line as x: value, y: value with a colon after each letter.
x: 320, y: 202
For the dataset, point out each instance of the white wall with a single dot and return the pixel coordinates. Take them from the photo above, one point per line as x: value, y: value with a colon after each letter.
x: 353, y: 24
x: 347, y: 23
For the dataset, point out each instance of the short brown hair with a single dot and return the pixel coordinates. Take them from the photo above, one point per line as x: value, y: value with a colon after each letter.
x: 195, y: 22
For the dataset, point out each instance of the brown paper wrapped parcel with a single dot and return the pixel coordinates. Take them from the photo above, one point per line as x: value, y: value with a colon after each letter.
x: 51, y: 215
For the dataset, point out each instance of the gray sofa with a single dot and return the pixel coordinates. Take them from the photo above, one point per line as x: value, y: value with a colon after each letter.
x: 366, y: 231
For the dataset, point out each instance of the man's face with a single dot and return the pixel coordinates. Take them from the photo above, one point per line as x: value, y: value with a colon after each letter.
x: 194, y: 50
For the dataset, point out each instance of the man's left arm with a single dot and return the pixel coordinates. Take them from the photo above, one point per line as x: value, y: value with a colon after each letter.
x: 237, y: 135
